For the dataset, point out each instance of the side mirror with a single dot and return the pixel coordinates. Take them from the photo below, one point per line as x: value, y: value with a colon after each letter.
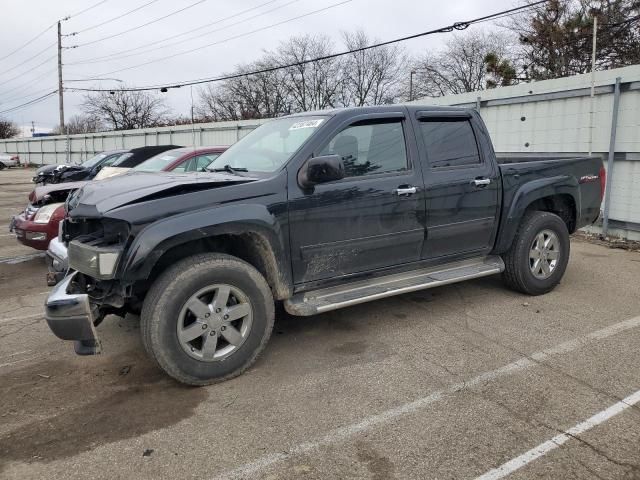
x: 321, y: 170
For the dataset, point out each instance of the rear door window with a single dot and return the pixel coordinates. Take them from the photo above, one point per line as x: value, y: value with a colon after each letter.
x: 450, y: 143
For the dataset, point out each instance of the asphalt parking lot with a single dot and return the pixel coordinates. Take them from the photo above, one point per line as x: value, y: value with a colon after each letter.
x: 454, y: 382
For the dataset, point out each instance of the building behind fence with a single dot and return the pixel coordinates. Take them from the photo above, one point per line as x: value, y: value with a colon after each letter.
x: 548, y: 117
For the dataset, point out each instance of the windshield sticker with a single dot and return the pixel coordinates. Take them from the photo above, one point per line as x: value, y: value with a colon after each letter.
x: 307, y: 124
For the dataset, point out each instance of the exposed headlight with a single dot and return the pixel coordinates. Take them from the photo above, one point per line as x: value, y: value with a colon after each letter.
x: 44, y: 213
x: 36, y: 236
x: 94, y: 261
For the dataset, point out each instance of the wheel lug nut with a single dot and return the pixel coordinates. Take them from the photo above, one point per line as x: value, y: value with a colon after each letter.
x: 193, y: 349
x: 223, y: 328
x: 207, y: 315
x: 212, y: 333
x: 226, y: 317
x: 205, y: 326
x: 218, y: 310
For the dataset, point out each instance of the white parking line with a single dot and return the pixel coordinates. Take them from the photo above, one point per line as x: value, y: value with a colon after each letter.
x: 253, y: 468
x: 23, y: 317
x: 2, y: 365
x: 21, y: 258
x: 15, y: 354
x: 544, y: 448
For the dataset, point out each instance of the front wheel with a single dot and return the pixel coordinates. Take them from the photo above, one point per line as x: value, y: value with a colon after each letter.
x: 2, y: 166
x: 207, y: 318
x: 538, y: 257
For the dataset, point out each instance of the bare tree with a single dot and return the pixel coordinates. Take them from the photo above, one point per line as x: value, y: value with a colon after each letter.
x: 374, y: 76
x: 262, y: 95
x: 8, y: 129
x: 126, y: 110
x: 462, y: 65
x: 80, y: 124
x: 313, y: 85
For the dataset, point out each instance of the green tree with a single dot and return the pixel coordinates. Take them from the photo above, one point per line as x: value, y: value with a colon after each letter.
x: 556, y: 40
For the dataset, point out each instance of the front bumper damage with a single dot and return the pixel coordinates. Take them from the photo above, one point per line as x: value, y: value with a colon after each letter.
x: 57, y: 261
x: 70, y: 316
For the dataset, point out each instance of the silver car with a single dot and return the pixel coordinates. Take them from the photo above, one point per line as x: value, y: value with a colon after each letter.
x: 9, y: 160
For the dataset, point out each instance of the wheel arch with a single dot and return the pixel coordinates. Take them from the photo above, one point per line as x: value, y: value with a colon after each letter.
x: 258, y: 241
x: 558, y: 195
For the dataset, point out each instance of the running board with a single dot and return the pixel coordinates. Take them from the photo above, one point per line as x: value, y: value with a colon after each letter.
x: 326, y: 299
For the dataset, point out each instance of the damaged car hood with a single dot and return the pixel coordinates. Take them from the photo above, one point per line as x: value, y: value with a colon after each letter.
x: 96, y: 198
x: 54, y: 192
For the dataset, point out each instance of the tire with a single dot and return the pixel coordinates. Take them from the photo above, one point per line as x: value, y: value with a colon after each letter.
x: 2, y: 166
x: 201, y: 281
x: 522, y: 273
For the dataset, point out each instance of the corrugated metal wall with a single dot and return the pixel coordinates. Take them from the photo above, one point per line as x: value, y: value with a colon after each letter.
x: 77, y: 148
x: 554, y: 117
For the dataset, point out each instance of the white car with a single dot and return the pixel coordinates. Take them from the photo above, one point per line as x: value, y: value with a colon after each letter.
x: 8, y: 160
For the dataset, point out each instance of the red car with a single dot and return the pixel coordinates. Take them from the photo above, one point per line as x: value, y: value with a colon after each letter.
x: 38, y: 224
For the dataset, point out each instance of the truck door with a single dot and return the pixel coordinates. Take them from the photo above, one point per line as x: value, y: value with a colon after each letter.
x: 461, y: 186
x: 371, y: 219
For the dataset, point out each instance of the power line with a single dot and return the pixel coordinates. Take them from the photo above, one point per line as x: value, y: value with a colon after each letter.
x: 209, y: 32
x: 28, y: 42
x: 446, y: 29
x: 161, y: 59
x: 141, y: 26
x: 68, y: 17
x: 528, y: 8
x: 29, y: 103
x: 47, y: 48
x: 112, y: 19
x: 117, y: 54
x: 21, y: 75
x: 23, y: 96
x: 23, y: 85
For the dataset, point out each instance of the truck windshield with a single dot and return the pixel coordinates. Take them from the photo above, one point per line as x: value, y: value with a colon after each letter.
x: 269, y: 146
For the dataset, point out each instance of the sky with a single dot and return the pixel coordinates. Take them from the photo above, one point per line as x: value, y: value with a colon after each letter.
x: 168, y: 63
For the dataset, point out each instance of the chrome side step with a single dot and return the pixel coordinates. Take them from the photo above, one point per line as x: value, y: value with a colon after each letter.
x: 326, y: 299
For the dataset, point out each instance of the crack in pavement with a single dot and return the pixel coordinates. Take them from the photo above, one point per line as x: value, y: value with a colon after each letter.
x: 539, y: 423
x: 526, y: 355
x: 20, y: 328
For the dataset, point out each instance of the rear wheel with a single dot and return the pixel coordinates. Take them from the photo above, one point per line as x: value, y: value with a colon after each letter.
x: 2, y: 166
x: 207, y: 318
x: 538, y: 257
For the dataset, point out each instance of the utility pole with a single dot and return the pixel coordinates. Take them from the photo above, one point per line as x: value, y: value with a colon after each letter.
x: 411, y: 74
x: 60, y: 92
x: 594, y: 13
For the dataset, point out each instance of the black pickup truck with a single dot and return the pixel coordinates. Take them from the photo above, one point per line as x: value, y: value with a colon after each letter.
x: 317, y: 211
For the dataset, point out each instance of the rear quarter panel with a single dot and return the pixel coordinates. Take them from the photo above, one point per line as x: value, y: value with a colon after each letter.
x: 525, y: 182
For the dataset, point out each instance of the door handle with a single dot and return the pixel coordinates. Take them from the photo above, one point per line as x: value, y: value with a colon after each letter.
x: 481, y: 182
x: 403, y: 191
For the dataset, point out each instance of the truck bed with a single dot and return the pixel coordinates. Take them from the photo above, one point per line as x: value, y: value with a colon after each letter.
x: 584, y: 172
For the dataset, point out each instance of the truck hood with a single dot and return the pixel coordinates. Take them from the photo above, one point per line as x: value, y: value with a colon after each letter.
x: 97, y: 198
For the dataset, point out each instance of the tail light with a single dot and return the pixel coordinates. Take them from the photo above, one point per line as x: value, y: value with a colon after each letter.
x: 15, y: 157
x: 603, y: 181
